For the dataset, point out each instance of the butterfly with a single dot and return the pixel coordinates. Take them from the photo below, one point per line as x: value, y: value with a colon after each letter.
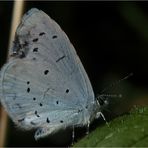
x: 44, y: 86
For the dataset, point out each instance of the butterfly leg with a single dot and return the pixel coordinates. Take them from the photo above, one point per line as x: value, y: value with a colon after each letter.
x: 87, y: 130
x: 73, y: 134
x: 100, y: 114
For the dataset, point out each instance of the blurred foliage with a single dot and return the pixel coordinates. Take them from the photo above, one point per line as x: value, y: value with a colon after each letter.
x: 124, y: 131
x: 136, y: 17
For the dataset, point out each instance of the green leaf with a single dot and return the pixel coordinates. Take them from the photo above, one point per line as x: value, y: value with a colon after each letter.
x: 127, y: 130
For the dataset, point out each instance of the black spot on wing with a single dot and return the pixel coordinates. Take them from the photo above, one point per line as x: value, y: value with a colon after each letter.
x: 20, y: 120
x: 67, y: 91
x: 35, y: 40
x: 33, y: 123
x: 61, y: 121
x: 33, y: 58
x: 42, y: 33
x: 47, y: 120
x: 34, y: 99
x: 54, y: 36
x: 24, y: 44
x: 41, y: 104
x: 35, y: 50
x: 60, y: 58
x: 28, y: 90
x: 36, y: 113
x: 46, y: 72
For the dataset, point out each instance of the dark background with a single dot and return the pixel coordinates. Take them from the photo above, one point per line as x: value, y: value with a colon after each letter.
x: 111, y: 39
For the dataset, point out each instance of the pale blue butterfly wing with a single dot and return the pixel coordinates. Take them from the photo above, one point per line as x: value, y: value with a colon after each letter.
x: 44, y: 85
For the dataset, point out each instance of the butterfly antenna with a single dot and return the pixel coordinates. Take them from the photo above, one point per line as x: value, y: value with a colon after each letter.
x: 102, y: 99
x: 116, y: 83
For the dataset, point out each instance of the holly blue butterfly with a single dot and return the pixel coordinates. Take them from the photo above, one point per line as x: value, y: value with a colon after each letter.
x: 44, y: 85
